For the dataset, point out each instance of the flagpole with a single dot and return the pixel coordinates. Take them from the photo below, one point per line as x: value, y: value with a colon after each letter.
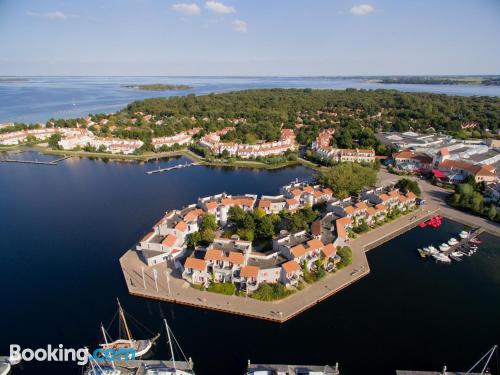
x: 143, y: 279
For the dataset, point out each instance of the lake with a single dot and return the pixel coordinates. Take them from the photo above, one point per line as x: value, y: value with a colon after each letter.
x: 64, y: 227
x: 40, y: 98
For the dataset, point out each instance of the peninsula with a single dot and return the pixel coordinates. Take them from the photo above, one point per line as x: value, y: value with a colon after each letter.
x: 158, y: 87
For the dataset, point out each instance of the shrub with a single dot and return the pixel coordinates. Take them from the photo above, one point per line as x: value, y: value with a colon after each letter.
x: 345, y: 254
x: 271, y: 292
x: 222, y: 288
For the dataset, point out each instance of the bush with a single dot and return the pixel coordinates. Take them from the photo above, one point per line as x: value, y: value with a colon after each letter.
x: 345, y: 254
x: 223, y: 288
x: 271, y: 292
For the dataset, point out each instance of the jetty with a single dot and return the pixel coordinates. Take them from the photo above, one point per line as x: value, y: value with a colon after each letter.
x: 178, y: 166
x: 473, y: 234
x: 138, y: 367
x: 53, y: 162
x: 291, y: 369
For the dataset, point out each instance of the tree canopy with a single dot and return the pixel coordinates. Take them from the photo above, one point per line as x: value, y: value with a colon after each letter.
x: 348, y: 178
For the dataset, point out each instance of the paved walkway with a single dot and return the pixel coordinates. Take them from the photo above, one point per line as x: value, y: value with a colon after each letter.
x: 179, y: 291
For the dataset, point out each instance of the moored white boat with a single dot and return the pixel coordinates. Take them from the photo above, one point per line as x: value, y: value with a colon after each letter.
x: 444, y: 247
x: 463, y: 234
x: 432, y: 250
x: 442, y: 258
x: 452, y: 241
x: 457, y: 254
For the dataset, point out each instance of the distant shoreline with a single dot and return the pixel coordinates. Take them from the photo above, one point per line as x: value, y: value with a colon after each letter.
x: 158, y: 87
x: 426, y: 80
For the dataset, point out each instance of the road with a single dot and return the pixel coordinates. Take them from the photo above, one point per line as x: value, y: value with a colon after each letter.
x: 436, y: 195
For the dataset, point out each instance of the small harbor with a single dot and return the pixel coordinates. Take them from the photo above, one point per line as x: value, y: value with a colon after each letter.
x: 453, y: 249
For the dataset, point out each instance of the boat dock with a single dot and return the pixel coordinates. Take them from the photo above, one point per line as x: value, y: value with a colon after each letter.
x: 463, y: 241
x: 140, y: 367
x: 292, y: 369
x: 444, y: 372
x: 178, y: 166
x: 53, y: 162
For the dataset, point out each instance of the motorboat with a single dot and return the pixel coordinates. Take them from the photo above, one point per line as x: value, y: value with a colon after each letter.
x: 444, y: 247
x: 475, y: 241
x: 452, y: 241
x: 457, y: 254
x: 463, y: 234
x: 455, y: 258
x: 423, y: 253
x: 440, y: 257
x: 433, y: 250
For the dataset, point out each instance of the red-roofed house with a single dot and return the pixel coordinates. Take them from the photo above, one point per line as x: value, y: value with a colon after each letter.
x: 290, y: 273
x: 195, y: 271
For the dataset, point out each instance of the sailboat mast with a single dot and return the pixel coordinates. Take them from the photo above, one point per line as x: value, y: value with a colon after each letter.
x: 106, y: 342
x: 170, y: 343
x: 124, y: 321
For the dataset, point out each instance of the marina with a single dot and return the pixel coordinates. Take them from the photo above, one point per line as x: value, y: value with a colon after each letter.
x: 453, y: 249
x: 393, y: 280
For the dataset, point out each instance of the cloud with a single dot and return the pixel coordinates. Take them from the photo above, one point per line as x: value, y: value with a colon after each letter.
x: 220, y: 8
x: 362, y: 9
x: 186, y: 8
x: 240, y: 26
x: 57, y: 15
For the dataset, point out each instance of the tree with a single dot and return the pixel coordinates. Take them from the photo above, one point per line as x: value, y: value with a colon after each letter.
x: 492, y: 212
x: 207, y: 236
x: 54, y: 141
x: 193, y: 239
x: 265, y: 228
x: 208, y: 222
x: 348, y: 178
x: 406, y: 185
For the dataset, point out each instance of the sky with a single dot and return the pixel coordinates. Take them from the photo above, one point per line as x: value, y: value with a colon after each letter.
x: 249, y: 37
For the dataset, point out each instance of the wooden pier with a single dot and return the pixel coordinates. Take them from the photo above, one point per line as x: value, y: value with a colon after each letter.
x: 53, y: 162
x: 140, y: 367
x: 473, y: 234
x: 178, y: 166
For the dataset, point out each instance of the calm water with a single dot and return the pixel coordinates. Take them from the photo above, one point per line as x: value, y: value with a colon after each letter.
x: 41, y: 98
x: 63, y: 229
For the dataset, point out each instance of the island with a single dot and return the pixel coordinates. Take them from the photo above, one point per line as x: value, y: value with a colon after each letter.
x: 159, y: 87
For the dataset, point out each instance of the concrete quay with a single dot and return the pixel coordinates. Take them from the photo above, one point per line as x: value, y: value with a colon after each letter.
x: 173, y: 289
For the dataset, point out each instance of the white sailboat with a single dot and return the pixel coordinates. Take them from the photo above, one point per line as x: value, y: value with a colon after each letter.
x: 174, y: 367
x: 141, y: 347
x: 101, y: 369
